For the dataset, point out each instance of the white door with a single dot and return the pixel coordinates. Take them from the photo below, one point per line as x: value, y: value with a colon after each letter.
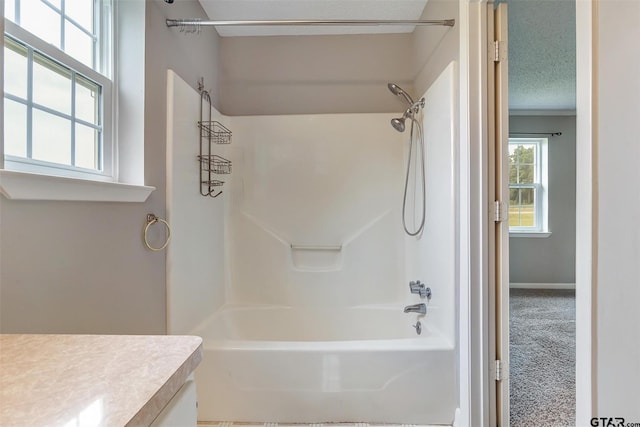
x: 499, y: 192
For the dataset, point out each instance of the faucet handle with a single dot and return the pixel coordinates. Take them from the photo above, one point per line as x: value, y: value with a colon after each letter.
x: 420, y: 289
x: 415, y: 286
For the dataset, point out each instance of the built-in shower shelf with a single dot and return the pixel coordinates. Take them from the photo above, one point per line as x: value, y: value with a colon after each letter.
x: 211, y: 132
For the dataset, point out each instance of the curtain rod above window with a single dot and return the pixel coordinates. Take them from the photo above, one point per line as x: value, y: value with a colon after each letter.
x: 534, y: 133
x: 335, y: 22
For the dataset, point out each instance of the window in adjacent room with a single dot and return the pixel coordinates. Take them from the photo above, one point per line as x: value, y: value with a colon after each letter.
x: 528, y: 185
x: 58, y: 88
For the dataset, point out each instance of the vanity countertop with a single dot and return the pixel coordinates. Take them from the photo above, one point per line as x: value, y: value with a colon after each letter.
x: 102, y: 380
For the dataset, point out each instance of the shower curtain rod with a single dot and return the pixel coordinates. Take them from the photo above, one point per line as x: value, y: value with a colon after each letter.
x: 334, y: 22
x: 535, y: 133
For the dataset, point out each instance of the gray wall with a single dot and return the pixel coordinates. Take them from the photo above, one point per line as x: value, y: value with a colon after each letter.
x: 551, y: 259
x: 73, y: 267
x: 313, y: 74
x: 334, y: 74
x: 435, y: 47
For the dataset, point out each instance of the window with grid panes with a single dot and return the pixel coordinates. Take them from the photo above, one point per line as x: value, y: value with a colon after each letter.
x: 528, y: 184
x: 57, y: 87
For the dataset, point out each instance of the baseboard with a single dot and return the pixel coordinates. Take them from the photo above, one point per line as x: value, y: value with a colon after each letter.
x: 542, y: 286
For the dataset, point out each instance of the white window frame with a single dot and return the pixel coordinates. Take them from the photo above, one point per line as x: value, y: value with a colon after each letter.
x: 102, y: 78
x: 127, y: 65
x: 107, y: 166
x: 540, y: 186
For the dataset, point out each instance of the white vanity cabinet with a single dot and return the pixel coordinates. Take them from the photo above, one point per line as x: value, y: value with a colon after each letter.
x: 182, y: 409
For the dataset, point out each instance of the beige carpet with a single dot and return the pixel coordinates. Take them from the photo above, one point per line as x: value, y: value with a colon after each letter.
x: 542, y: 358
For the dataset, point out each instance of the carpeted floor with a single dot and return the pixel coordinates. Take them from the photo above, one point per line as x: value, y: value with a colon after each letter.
x: 542, y: 357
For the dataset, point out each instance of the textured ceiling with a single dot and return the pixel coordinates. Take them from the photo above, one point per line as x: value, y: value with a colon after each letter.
x: 542, y: 54
x: 311, y: 9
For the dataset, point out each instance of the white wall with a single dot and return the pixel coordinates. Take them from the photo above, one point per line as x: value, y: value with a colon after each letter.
x: 618, y: 210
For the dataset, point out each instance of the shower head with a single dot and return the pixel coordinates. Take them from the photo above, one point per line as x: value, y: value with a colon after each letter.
x: 398, y: 124
x: 397, y: 90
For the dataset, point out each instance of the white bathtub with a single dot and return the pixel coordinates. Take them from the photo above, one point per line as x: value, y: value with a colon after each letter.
x: 278, y: 364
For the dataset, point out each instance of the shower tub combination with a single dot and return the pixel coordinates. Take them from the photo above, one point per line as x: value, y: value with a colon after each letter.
x: 298, y: 282
x: 324, y: 365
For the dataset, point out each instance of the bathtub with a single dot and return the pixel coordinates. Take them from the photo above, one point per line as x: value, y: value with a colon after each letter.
x: 312, y: 365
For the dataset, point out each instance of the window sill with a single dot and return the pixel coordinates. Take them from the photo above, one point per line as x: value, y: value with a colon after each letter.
x: 534, y: 234
x: 30, y: 186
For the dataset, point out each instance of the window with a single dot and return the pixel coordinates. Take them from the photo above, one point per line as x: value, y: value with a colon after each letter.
x: 528, y: 185
x: 58, y: 92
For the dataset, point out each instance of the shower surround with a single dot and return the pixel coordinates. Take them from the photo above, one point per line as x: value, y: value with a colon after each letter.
x: 297, y: 275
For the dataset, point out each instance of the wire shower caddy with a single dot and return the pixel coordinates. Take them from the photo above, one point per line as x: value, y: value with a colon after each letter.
x: 211, y: 132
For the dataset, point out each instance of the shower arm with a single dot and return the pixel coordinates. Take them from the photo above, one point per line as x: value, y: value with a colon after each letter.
x: 417, y: 105
x: 310, y: 22
x: 415, y: 108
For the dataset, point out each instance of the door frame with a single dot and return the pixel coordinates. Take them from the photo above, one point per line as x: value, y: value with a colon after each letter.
x: 475, y: 397
x: 477, y: 404
x: 586, y: 209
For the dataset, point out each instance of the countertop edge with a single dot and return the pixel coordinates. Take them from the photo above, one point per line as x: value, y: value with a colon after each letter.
x: 150, y: 410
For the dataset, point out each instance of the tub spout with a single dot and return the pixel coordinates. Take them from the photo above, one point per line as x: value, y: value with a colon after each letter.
x: 416, y: 308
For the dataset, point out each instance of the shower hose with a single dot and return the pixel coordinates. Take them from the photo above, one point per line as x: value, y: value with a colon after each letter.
x: 419, y: 146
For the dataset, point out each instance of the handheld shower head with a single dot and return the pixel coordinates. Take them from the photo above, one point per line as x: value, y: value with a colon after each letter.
x: 397, y: 90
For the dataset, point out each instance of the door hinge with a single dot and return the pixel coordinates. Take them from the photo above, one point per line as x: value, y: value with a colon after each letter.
x: 498, y: 371
x: 498, y: 212
x: 498, y: 50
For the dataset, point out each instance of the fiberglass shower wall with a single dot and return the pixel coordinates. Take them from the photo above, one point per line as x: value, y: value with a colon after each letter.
x: 196, y: 266
x: 311, y: 215
x: 314, y: 210
x: 431, y: 258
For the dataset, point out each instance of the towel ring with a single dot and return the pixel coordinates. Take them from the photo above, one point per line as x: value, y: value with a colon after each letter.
x: 152, y: 219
